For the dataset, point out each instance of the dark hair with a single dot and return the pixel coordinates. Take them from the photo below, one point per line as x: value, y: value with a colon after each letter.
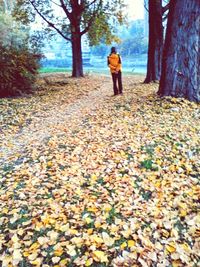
x: 113, y: 49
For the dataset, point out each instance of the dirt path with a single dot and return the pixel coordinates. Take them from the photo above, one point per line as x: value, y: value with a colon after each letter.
x: 51, y: 123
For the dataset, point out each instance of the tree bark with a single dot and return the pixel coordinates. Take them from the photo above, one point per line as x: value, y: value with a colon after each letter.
x: 77, y: 61
x: 181, y: 56
x: 75, y: 20
x: 155, y: 47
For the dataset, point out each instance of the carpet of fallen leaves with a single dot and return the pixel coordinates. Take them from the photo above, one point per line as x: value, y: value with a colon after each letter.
x: 87, y: 179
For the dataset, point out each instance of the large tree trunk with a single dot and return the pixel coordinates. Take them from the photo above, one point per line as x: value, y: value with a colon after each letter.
x: 77, y: 61
x: 155, y: 41
x: 181, y: 57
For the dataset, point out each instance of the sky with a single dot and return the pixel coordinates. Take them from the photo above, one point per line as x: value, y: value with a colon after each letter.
x: 135, y: 9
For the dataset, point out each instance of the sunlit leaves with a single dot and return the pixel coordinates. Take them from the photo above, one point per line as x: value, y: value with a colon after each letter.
x: 99, y: 180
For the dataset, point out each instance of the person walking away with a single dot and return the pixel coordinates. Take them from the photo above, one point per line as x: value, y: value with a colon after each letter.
x: 115, y: 65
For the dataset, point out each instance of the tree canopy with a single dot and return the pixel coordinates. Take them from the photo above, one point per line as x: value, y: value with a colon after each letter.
x: 74, y: 18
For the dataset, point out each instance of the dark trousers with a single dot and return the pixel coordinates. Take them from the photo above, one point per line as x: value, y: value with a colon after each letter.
x: 117, y: 78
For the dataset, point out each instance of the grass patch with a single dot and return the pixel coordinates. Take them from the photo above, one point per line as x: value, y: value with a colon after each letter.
x: 53, y: 70
x: 86, y: 71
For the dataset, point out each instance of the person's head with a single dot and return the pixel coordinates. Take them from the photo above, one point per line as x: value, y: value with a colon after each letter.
x: 113, y: 50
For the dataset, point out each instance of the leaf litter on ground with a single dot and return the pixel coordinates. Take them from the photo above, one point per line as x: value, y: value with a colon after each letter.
x: 87, y: 179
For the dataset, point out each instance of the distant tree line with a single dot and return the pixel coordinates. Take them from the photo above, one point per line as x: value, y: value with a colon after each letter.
x: 132, y: 41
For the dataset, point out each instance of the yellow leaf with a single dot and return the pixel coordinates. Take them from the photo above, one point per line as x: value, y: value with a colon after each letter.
x: 5, y: 210
x: 182, y: 205
x: 37, y: 262
x: 89, y: 262
x: 49, y: 164
x: 63, y: 263
x: 122, y: 153
x: 93, y: 177
x: 159, y: 162
x: 64, y: 228
x: 131, y: 243
x: 177, y: 263
x: 107, y: 207
x: 171, y: 248
x: 90, y: 231
x: 92, y: 209
x: 186, y: 247
x: 73, y: 231
x: 183, y: 213
x: 58, y: 252
x: 157, y: 184
x: 97, y: 224
x: 26, y: 254
x: 114, y: 228
x: 34, y: 246
x: 88, y: 220
x: 172, y: 168
x: 97, y: 239
x: 100, y: 256
x: 123, y: 245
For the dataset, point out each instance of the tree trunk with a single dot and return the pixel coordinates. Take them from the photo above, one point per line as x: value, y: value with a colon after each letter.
x: 77, y: 61
x: 155, y: 47
x: 181, y: 57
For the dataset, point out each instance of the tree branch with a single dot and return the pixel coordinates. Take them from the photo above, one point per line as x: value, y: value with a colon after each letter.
x: 69, y: 16
x: 86, y: 6
x: 55, y: 3
x: 48, y: 22
x: 165, y: 8
x: 92, y: 18
x: 145, y: 6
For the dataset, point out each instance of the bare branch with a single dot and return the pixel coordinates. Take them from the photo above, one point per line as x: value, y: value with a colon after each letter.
x: 48, y: 22
x: 69, y: 16
x: 86, y: 6
x: 146, y: 5
x: 55, y: 3
x: 165, y: 8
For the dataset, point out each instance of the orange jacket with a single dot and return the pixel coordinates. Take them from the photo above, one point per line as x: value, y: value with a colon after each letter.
x: 114, y: 62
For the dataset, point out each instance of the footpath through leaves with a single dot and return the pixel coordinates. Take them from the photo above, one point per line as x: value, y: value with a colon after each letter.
x: 88, y: 179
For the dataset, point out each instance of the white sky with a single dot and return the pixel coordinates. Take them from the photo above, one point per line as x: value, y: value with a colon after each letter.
x: 135, y: 9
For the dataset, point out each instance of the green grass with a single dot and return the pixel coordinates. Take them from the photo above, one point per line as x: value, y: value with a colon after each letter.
x: 86, y: 71
x: 53, y: 70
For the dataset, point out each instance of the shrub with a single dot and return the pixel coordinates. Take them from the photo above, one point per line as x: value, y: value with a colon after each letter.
x: 18, y: 69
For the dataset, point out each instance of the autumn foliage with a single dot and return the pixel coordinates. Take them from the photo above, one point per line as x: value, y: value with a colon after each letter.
x: 18, y: 68
x: 94, y: 180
